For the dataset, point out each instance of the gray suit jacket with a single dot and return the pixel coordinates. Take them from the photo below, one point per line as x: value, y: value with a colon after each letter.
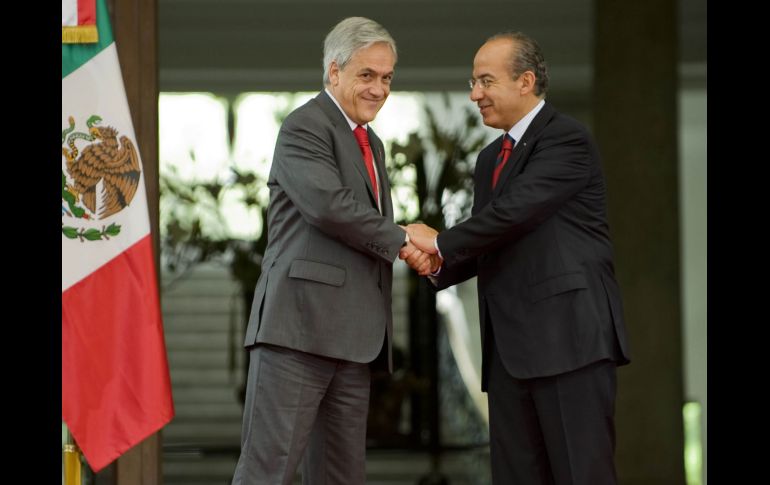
x: 326, y: 276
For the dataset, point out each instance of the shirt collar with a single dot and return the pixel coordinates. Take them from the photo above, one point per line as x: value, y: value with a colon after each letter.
x: 517, y: 131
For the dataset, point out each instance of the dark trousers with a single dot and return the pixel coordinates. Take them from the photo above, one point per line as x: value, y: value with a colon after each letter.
x: 556, y: 430
x: 299, y: 404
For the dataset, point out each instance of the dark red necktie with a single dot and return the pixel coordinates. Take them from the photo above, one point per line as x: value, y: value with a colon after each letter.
x: 502, y: 157
x: 363, y: 141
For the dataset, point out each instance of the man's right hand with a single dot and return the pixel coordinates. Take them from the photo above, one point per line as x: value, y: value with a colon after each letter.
x: 423, y: 237
x: 419, y: 261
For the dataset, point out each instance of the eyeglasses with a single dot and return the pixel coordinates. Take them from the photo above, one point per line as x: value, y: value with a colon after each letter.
x: 484, y: 82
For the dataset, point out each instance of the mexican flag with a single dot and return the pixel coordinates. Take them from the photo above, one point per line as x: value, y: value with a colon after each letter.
x: 116, y: 389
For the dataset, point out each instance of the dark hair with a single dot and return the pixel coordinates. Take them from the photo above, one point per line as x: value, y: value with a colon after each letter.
x: 527, y: 56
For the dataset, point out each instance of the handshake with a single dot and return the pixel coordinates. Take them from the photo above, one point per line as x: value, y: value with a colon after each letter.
x: 421, y: 252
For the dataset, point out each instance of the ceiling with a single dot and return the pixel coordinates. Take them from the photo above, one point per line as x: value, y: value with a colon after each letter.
x: 232, y: 46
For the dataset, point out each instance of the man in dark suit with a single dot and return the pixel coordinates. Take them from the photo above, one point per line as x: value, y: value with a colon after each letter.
x: 322, y: 307
x: 538, y: 241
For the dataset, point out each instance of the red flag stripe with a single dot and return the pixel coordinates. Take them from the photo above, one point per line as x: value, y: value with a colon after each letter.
x: 115, y: 382
x: 86, y: 12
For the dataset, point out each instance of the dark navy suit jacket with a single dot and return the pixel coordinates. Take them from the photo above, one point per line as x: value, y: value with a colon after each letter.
x: 540, y: 246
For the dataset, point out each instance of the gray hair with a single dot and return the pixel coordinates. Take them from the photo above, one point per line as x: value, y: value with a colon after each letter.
x: 348, y: 36
x: 527, y: 56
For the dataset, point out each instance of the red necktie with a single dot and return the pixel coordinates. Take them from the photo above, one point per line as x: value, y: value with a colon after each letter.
x: 363, y: 141
x: 502, y: 157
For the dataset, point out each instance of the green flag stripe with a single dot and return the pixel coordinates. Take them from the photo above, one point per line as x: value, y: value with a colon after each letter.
x: 75, y: 55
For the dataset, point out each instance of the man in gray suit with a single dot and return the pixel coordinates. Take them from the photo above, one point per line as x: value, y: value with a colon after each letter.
x: 322, y: 307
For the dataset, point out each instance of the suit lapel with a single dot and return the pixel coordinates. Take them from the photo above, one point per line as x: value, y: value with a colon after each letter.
x: 350, y: 147
x: 382, y: 174
x: 485, y: 166
x: 520, y: 154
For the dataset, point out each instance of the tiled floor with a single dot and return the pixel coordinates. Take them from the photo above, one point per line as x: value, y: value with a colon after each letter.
x: 384, y: 467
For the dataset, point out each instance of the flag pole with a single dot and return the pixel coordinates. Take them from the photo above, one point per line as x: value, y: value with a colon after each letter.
x: 72, y: 462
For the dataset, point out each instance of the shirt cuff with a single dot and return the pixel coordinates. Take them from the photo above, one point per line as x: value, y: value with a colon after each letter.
x: 435, y: 245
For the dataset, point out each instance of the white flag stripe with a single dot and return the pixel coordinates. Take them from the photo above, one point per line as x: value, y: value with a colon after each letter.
x: 96, y: 88
x: 69, y: 13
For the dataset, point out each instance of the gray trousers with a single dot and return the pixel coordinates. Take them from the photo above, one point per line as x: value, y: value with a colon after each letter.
x: 302, y: 404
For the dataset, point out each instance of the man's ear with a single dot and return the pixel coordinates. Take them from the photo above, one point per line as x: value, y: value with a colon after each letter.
x: 334, y: 73
x: 527, y: 79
